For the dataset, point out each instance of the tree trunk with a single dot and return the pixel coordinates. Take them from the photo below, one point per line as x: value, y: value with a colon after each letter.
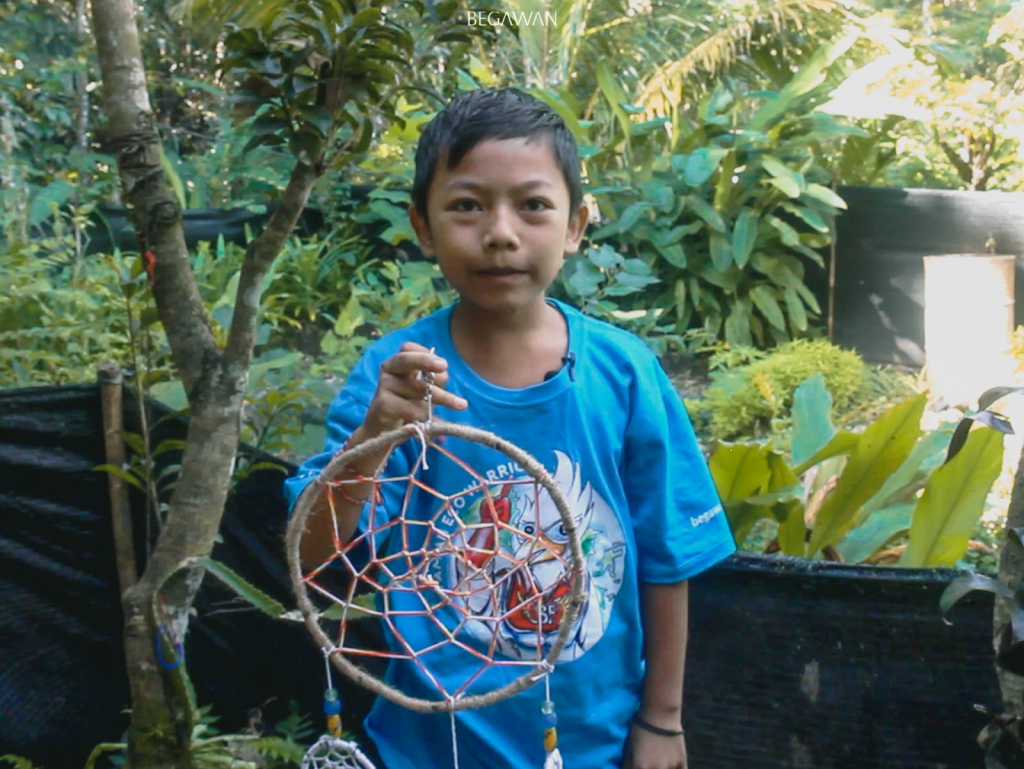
x: 1011, y: 572
x: 81, y: 80
x: 156, y: 608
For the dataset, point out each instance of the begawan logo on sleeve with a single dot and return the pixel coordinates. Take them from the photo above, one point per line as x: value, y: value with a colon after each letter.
x: 532, y: 605
x: 707, y: 515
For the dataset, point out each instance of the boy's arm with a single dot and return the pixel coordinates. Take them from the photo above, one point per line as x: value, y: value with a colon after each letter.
x: 665, y: 619
x: 318, y: 543
x: 398, y: 398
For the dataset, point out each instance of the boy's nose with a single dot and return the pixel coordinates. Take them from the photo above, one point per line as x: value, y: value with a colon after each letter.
x: 500, y: 232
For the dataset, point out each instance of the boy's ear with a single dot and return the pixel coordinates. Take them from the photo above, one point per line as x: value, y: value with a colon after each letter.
x: 422, y: 229
x: 577, y: 227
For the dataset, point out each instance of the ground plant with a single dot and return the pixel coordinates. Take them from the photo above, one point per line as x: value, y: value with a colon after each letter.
x: 751, y: 391
x: 916, y: 496
x: 732, y: 216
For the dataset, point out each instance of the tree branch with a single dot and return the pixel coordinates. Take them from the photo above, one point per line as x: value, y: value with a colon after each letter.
x: 151, y: 203
x: 258, y: 258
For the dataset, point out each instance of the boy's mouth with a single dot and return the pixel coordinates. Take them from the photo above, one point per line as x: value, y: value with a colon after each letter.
x: 501, y: 271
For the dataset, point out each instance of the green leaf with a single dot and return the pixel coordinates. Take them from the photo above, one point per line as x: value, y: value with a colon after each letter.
x: 879, y: 528
x: 171, y: 394
x: 675, y: 234
x: 674, y: 254
x: 721, y: 252
x: 812, y: 424
x: 702, y: 164
x: 614, y: 94
x: 737, y: 327
x: 968, y: 583
x: 604, y: 257
x: 319, y: 117
x: 56, y: 193
x: 729, y: 279
x: 242, y: 588
x: 350, y: 318
x: 882, y: 448
x: 843, y: 442
x: 825, y: 195
x: 366, y: 17
x: 744, y: 235
x: 792, y: 533
x: 796, y: 309
x: 632, y: 214
x: 790, y: 237
x: 952, y: 502
x: 124, y: 475
x: 635, y: 282
x: 787, y: 187
x: 764, y: 299
x: 306, y: 146
x: 704, y: 210
x: 780, y: 172
x: 740, y: 470
x: 809, y: 216
x: 926, y: 456
x: 587, y: 279
x: 259, y: 369
x: 636, y: 267
x: 365, y: 136
x: 172, y: 176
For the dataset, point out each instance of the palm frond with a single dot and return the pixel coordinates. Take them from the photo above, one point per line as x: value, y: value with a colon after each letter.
x: 208, y: 17
x: 721, y: 49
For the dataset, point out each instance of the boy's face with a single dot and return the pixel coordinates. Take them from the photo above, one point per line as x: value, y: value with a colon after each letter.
x: 500, y: 224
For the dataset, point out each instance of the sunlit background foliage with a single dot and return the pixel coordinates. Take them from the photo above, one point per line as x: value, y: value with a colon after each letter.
x: 714, y: 135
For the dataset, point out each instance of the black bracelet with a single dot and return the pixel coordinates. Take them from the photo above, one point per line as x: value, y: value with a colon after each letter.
x: 655, y: 729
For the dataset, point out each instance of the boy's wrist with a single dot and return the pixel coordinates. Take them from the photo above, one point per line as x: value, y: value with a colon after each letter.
x: 662, y: 715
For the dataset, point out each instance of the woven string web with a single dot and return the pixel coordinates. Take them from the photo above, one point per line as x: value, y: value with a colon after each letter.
x: 335, y: 753
x: 471, y: 568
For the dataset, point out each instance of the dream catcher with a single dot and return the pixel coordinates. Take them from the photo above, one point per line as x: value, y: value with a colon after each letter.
x: 421, y: 562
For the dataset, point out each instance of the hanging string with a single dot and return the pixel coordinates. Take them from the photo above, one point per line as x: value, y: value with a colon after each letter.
x: 422, y: 435
x: 455, y: 742
x: 332, y: 702
x: 552, y: 756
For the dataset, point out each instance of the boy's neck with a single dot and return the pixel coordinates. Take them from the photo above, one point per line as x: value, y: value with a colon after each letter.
x: 511, y: 350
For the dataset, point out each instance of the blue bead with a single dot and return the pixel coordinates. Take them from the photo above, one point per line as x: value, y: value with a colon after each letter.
x: 332, y: 707
x: 550, y: 720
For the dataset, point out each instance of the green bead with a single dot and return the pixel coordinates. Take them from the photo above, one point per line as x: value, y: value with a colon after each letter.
x: 547, y: 707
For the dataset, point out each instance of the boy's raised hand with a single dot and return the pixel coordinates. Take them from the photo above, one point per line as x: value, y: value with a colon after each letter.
x: 402, y: 389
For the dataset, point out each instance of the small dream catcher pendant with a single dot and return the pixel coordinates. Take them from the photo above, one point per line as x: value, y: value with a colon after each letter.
x: 333, y: 752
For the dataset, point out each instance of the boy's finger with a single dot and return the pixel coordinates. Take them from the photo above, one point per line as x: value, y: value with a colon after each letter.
x: 408, y: 363
x: 444, y: 398
x: 413, y: 347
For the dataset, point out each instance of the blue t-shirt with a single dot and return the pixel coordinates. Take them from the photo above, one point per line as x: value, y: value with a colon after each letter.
x: 613, y: 433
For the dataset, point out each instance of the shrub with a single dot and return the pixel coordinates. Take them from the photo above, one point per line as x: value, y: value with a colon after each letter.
x: 744, y: 399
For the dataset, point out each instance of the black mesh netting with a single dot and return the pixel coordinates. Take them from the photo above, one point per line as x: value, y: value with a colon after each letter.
x: 790, y: 665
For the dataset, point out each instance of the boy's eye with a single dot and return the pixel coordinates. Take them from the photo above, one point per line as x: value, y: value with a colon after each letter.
x: 536, y: 204
x: 464, y: 205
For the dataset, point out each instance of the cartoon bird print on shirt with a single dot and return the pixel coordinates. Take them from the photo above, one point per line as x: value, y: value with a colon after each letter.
x: 517, y: 526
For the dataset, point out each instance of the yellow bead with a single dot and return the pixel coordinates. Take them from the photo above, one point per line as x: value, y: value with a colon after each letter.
x: 334, y: 726
x: 550, y: 739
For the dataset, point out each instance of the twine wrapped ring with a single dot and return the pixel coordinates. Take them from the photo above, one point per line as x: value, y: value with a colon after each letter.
x: 425, y: 432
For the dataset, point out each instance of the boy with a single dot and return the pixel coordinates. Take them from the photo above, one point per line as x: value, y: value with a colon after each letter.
x: 497, y: 201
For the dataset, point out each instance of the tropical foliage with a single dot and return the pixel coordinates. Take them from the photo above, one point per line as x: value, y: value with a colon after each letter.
x: 891, y: 491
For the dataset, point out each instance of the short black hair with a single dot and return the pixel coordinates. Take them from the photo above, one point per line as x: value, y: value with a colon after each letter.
x: 484, y: 114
